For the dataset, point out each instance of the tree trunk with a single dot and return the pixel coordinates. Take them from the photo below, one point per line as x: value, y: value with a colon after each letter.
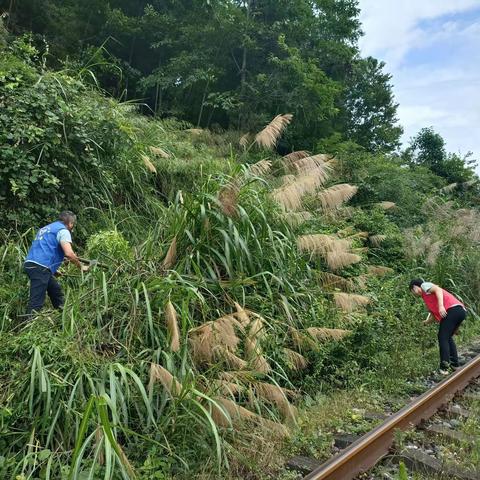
x: 243, y: 70
x: 203, y: 102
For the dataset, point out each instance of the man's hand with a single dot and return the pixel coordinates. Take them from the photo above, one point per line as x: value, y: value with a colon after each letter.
x: 443, y: 312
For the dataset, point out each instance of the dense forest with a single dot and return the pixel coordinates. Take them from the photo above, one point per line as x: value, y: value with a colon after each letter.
x: 237, y: 171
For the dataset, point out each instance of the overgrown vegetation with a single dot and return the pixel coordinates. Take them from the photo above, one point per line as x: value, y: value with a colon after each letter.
x: 236, y: 285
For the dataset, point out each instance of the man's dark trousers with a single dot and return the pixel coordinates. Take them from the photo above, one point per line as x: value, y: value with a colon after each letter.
x: 42, y: 282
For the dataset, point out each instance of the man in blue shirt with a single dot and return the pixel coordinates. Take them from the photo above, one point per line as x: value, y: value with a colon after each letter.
x: 51, y: 245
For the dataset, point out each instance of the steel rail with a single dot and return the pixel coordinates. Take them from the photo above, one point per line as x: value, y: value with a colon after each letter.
x: 364, y: 453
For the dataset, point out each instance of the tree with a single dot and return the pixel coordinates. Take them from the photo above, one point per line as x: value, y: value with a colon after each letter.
x: 233, y: 63
x: 427, y: 149
x: 370, y: 109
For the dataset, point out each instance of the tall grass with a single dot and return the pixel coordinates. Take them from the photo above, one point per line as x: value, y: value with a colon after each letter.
x: 215, y: 265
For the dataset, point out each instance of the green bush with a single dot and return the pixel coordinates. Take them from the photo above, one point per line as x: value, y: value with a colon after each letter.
x: 110, y: 244
x: 63, y: 144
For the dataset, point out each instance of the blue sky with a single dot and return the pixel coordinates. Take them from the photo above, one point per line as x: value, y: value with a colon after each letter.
x: 432, y: 49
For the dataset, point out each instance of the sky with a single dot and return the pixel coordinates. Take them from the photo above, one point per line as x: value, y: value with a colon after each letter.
x: 432, y: 50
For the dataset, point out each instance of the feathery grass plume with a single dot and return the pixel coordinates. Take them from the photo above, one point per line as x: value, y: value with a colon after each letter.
x: 211, y: 339
x: 449, y: 188
x: 292, y: 157
x: 245, y: 140
x: 334, y: 250
x: 260, y: 364
x: 316, y: 243
x: 436, y: 206
x: 361, y: 281
x: 327, y: 333
x: 260, y: 168
x: 349, y: 302
x: 302, y: 341
x: 314, y: 163
x: 269, y: 136
x: 160, y: 152
x: 310, y: 338
x: 358, y: 235
x: 169, y: 382
x: 255, y: 356
x: 294, y: 219
x: 148, y: 163
x: 295, y: 360
x: 341, y: 259
x: 346, y: 232
x: 257, y: 324
x: 194, y: 131
x: 433, y: 252
x: 287, y: 179
x: 222, y: 353
x: 228, y: 388
x: 330, y: 280
x: 290, y: 196
x: 171, y: 256
x: 251, y: 347
x: 228, y: 412
x: 242, y: 315
x: 376, y: 240
x: 277, y: 396
x: 228, y: 199
x: 333, y: 197
x: 416, y: 243
x: 239, y: 376
x: 321, y: 244
x: 386, y: 205
x: 379, y: 270
x: 251, y: 343
x: 172, y: 327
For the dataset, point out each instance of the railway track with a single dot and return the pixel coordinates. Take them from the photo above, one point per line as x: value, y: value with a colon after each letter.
x: 365, y: 452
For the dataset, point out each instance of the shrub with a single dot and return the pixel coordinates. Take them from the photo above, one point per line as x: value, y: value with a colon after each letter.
x: 110, y: 244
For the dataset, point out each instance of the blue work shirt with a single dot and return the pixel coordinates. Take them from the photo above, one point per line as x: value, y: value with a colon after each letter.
x: 46, y: 249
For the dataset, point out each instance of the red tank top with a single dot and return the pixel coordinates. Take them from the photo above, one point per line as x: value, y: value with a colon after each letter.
x: 431, y: 302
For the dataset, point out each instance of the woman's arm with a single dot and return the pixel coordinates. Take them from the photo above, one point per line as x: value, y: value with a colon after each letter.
x: 439, y: 294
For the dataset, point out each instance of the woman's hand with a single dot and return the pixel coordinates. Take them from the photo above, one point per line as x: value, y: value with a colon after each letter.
x: 442, y: 311
x: 428, y: 320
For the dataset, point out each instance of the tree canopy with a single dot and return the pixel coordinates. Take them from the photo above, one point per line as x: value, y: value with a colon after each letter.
x: 227, y: 63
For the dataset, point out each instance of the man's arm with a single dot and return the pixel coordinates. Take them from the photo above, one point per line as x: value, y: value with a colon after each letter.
x: 71, y: 255
x: 439, y: 294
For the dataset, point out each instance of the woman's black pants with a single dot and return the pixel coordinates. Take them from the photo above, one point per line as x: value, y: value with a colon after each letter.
x: 448, y: 326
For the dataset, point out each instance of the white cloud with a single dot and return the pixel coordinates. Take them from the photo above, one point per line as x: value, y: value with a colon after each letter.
x: 432, y: 49
x: 391, y: 26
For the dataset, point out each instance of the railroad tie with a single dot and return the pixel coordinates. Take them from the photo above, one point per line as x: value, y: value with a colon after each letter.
x: 343, y: 440
x: 451, y: 434
x: 419, y: 461
x: 303, y: 465
x: 471, y: 396
x: 458, y: 411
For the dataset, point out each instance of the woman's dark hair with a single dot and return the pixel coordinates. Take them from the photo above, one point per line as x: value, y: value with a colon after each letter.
x: 416, y: 282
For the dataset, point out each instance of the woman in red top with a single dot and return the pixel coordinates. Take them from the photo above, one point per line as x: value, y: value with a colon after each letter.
x: 448, y: 311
